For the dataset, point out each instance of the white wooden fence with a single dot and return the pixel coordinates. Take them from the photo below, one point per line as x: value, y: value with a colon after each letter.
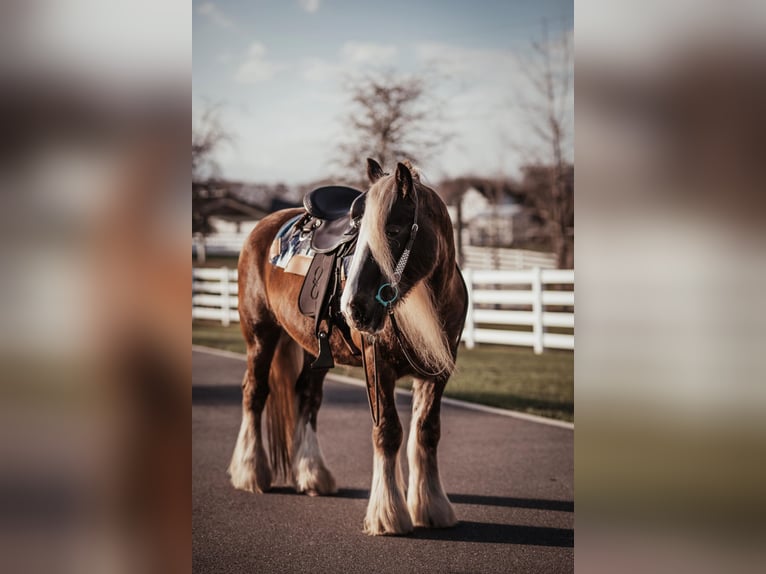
x: 500, y: 301
x: 475, y: 256
x: 508, y: 299
x: 214, y: 294
x: 482, y: 257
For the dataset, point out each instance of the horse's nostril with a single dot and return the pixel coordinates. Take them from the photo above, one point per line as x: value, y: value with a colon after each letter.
x: 357, y: 312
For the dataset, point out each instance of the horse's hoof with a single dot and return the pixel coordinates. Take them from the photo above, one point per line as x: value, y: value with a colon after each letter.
x: 251, y: 486
x: 388, y: 526
x: 316, y: 482
x: 379, y: 530
x: 250, y: 480
x: 436, y: 513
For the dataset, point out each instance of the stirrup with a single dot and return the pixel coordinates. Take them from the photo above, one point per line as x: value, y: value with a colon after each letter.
x: 324, y: 358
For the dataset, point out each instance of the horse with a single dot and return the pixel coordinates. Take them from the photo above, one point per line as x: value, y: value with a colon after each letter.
x: 405, y: 302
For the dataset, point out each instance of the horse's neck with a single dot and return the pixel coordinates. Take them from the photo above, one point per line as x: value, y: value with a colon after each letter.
x: 441, y: 281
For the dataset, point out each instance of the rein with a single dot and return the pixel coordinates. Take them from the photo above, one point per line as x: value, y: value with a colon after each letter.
x: 387, y: 300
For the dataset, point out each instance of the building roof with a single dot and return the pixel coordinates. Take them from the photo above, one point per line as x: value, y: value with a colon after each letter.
x: 233, y: 209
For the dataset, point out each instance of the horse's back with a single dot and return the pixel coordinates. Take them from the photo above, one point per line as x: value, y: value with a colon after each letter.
x: 260, y: 238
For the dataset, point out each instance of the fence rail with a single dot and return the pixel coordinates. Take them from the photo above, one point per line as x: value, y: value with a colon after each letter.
x: 499, y: 301
x: 520, y: 298
x: 474, y: 256
x: 482, y: 257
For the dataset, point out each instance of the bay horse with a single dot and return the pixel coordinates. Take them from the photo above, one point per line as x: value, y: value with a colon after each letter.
x: 404, y: 294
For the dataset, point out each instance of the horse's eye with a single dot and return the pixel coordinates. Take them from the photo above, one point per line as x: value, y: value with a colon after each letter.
x: 392, y: 231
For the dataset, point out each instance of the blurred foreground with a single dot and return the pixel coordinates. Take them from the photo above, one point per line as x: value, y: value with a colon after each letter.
x: 94, y: 419
x: 670, y: 367
x: 670, y: 261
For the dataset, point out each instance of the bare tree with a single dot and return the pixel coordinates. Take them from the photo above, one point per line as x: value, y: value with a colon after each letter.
x: 549, y: 111
x: 392, y: 117
x: 208, y: 135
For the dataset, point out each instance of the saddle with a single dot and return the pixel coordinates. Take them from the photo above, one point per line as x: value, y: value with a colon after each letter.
x: 331, y: 225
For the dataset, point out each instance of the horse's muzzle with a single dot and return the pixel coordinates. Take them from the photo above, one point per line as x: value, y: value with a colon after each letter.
x: 364, y: 315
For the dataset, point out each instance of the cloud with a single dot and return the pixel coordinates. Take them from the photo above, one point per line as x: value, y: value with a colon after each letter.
x: 214, y: 14
x: 310, y: 6
x: 318, y: 70
x: 482, y: 82
x: 353, y: 56
x: 469, y: 63
x: 492, y: 105
x: 256, y: 68
x: 355, y: 53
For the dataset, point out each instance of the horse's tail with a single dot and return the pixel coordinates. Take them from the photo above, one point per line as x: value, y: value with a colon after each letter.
x: 281, y: 405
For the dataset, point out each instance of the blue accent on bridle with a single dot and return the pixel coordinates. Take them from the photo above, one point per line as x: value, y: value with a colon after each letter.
x: 384, y: 302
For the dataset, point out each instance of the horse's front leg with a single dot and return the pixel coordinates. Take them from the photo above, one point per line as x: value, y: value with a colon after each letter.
x: 387, y: 510
x: 426, y: 500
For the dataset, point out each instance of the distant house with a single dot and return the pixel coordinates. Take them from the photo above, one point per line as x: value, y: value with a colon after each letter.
x: 506, y: 235
x: 233, y: 215
x: 223, y: 219
x: 485, y: 224
x: 494, y: 226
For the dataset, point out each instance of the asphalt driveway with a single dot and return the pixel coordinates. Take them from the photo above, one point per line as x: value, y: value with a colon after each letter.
x: 511, y: 481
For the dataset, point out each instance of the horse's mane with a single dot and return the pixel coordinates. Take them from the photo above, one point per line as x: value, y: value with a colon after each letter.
x: 417, y: 315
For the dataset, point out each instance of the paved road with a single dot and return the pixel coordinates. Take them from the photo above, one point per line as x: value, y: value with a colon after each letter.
x: 511, y: 482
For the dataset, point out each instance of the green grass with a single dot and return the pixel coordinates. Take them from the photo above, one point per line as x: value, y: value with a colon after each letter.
x: 212, y: 334
x: 515, y: 378
x: 507, y: 377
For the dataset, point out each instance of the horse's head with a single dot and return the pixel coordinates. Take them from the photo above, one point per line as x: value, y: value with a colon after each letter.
x: 395, y: 250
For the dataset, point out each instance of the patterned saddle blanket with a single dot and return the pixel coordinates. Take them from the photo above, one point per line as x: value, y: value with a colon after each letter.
x: 292, y: 248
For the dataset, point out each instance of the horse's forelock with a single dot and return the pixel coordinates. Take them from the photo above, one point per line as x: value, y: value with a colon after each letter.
x: 380, y: 201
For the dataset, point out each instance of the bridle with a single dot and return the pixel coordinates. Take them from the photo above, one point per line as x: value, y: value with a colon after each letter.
x: 401, y: 264
x: 387, y: 300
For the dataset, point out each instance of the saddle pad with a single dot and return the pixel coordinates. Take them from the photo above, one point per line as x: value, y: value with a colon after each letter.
x: 291, y: 250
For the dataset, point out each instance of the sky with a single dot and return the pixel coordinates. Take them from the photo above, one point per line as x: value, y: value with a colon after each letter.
x: 277, y: 70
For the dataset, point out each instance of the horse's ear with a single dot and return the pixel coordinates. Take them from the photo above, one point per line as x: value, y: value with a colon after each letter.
x: 374, y: 171
x: 403, y: 179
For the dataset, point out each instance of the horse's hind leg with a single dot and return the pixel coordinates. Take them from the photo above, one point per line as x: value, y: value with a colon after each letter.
x: 386, y: 510
x: 309, y: 469
x: 249, y: 468
x: 426, y: 500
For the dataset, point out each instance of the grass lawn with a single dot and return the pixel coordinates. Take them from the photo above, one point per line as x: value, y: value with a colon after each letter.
x: 507, y: 377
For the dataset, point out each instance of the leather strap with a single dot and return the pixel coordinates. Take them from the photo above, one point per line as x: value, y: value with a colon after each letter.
x: 372, y: 380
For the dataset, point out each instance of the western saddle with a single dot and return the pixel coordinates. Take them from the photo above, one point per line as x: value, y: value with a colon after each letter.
x: 332, y: 215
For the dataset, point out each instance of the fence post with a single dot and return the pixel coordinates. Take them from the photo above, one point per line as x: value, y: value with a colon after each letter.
x: 468, y: 330
x: 225, y: 303
x: 199, y: 239
x: 537, y: 309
